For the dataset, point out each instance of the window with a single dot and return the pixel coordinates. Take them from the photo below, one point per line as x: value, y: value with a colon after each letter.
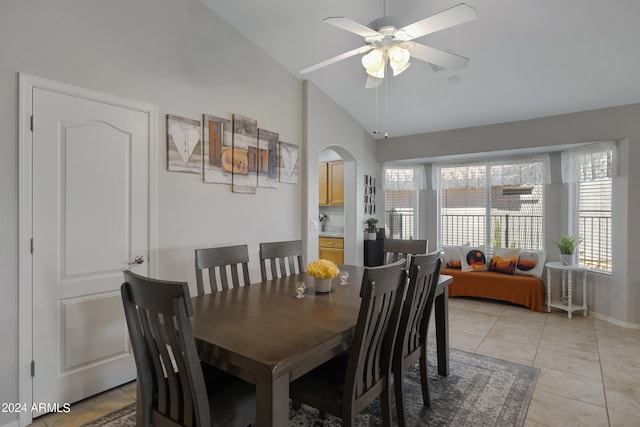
x: 495, y: 203
x: 401, y: 187
x: 589, y: 172
x: 399, y: 209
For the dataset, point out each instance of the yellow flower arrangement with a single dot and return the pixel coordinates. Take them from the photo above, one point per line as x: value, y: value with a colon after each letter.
x: 323, y: 269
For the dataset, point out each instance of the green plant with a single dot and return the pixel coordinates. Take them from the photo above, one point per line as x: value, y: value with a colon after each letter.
x: 567, y: 243
x: 371, y: 225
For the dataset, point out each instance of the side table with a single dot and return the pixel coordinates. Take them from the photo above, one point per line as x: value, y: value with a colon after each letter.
x: 566, y: 272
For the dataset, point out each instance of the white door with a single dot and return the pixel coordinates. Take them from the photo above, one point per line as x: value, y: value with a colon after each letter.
x: 90, y: 221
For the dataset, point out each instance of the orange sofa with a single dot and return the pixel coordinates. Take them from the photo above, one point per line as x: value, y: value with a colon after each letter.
x: 523, y: 290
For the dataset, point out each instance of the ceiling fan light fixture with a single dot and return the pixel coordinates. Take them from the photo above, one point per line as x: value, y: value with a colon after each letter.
x: 373, y: 63
x: 398, y: 56
x: 399, y: 59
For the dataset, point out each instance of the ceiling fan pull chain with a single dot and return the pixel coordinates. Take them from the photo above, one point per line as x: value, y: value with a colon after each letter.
x: 386, y: 105
x: 377, y: 131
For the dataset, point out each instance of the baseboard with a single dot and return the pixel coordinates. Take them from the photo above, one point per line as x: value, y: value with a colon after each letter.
x: 15, y: 423
x: 614, y: 321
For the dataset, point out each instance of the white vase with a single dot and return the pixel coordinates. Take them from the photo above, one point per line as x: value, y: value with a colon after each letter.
x: 372, y: 236
x: 567, y: 259
x: 322, y: 285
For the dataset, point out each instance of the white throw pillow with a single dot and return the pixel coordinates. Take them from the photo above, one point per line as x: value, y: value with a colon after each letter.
x: 451, y: 257
x: 531, y: 263
x: 473, y: 258
x: 504, y: 260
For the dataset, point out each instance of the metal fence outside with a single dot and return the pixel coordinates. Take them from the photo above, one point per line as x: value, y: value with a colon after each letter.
x: 595, y: 248
x: 507, y: 230
x: 526, y: 231
x: 399, y: 224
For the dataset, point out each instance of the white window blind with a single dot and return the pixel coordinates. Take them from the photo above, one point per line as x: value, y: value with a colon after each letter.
x: 403, y: 178
x: 498, y: 172
x: 400, y: 214
x: 401, y: 185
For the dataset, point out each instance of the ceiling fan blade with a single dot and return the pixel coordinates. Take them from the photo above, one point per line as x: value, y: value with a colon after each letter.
x: 438, y: 57
x: 352, y: 26
x: 451, y: 17
x: 372, y: 82
x: 330, y: 61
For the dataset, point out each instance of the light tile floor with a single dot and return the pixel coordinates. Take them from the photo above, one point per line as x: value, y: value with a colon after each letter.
x: 589, y: 369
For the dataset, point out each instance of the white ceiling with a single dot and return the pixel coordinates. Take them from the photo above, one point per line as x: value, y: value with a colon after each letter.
x: 528, y: 58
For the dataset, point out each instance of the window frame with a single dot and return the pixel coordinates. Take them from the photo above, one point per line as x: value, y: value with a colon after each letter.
x: 535, y: 172
x: 587, y: 163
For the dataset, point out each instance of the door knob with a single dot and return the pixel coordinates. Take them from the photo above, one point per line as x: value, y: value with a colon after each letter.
x: 137, y: 260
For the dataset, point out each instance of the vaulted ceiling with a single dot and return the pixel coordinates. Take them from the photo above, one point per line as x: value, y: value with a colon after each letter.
x: 528, y: 58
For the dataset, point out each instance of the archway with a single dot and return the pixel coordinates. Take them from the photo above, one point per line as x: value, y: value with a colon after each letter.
x: 345, y: 218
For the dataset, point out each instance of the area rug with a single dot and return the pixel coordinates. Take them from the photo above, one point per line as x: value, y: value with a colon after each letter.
x: 479, y: 391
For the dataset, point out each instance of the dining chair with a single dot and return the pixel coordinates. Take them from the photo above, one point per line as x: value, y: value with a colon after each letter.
x: 217, y: 261
x: 394, y: 249
x: 348, y: 383
x: 174, y: 388
x: 280, y: 255
x: 411, y: 341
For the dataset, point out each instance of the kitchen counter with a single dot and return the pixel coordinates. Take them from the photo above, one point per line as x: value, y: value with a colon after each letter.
x: 333, y: 234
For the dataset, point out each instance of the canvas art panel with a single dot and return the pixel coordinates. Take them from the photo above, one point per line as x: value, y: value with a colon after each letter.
x: 218, y: 149
x: 268, y: 159
x: 289, y: 163
x: 244, y: 155
x: 184, y: 144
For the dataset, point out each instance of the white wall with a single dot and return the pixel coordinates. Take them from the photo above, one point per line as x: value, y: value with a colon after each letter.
x: 615, y: 296
x: 180, y: 56
x: 327, y: 125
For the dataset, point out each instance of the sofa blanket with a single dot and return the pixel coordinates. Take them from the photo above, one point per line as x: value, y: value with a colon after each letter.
x: 523, y: 290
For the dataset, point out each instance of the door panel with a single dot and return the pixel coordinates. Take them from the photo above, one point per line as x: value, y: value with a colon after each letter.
x: 104, y: 317
x: 102, y: 153
x: 90, y: 220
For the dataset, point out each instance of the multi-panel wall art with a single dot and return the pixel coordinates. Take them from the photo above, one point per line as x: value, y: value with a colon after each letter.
x: 245, y: 155
x: 184, y: 145
x: 289, y: 163
x: 268, y: 167
x: 218, y: 157
x: 233, y: 152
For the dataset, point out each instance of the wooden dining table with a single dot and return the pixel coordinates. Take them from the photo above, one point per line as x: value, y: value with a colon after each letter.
x: 265, y: 335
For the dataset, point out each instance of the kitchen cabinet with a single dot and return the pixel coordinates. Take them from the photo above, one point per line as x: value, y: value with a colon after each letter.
x: 332, y: 249
x: 331, y: 183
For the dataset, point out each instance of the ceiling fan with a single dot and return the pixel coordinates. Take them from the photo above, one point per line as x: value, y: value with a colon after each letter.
x: 388, y: 43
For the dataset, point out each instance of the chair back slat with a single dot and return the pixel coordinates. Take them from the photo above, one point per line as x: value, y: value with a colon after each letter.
x: 396, y: 249
x: 281, y: 259
x: 369, y: 364
x: 171, y: 383
x: 218, y: 262
x: 424, y: 273
x: 411, y: 341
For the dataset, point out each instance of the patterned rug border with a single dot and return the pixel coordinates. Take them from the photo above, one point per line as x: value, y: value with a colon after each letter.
x: 523, y: 378
x: 122, y: 414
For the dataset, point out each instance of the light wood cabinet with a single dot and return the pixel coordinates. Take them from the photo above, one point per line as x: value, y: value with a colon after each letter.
x: 331, y: 184
x: 323, y: 195
x: 332, y: 249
